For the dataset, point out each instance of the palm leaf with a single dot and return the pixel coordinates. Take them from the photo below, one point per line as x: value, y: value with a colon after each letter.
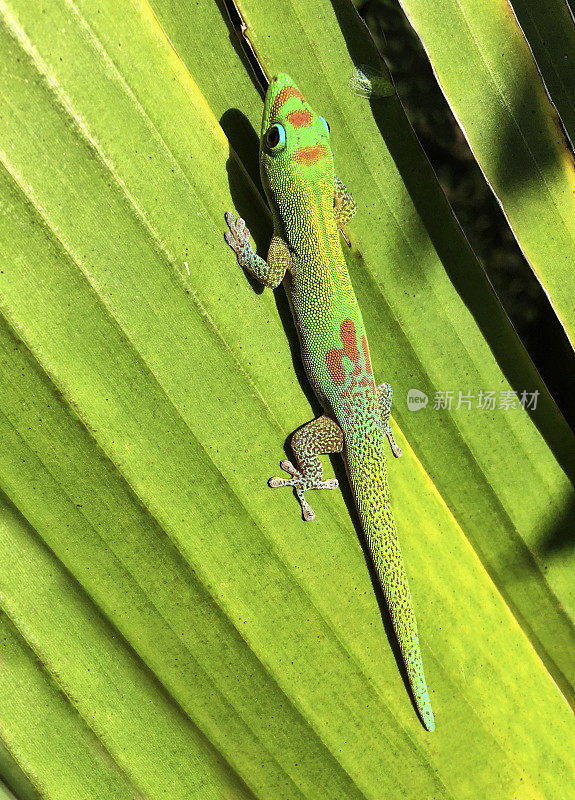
x: 182, y: 631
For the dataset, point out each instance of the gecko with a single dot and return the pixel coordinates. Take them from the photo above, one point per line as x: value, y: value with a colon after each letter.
x: 310, y: 206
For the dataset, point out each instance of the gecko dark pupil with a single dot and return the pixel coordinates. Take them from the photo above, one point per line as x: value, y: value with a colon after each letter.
x: 273, y: 136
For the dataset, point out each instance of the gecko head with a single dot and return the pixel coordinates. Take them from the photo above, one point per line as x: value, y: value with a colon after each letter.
x: 294, y: 142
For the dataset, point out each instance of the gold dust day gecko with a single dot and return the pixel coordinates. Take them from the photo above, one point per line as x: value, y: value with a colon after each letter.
x: 309, y: 204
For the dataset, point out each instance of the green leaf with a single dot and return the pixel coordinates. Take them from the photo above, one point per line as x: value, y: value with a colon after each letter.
x: 487, y: 73
x: 23, y: 788
x: 550, y: 32
x: 183, y: 631
x: 5, y: 794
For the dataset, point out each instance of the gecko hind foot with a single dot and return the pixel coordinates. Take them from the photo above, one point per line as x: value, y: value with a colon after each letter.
x: 301, y: 483
x: 395, y: 448
x: 385, y: 393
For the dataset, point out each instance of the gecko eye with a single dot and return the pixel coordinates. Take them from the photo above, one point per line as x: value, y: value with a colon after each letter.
x: 325, y: 124
x: 276, y: 137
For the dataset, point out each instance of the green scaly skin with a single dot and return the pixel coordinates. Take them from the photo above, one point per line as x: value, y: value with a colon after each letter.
x: 309, y: 204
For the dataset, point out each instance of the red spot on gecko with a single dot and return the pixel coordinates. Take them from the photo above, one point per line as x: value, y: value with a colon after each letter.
x: 300, y: 119
x: 334, y: 357
x: 335, y: 367
x: 368, y: 366
x: 348, y: 339
x: 285, y: 94
x: 310, y: 155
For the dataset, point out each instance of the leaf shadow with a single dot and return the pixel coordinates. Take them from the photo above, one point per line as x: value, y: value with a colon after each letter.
x: 245, y: 142
x: 559, y: 538
x: 525, y: 112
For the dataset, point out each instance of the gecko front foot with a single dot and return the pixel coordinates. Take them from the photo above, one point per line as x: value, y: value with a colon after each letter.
x: 301, y: 483
x: 238, y: 238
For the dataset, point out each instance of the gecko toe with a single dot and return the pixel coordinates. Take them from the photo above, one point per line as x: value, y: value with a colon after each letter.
x: 231, y: 240
x: 289, y: 467
x: 277, y: 482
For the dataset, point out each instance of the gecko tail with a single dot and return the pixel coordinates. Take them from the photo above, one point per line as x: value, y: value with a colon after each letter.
x: 405, y: 626
x: 368, y: 477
